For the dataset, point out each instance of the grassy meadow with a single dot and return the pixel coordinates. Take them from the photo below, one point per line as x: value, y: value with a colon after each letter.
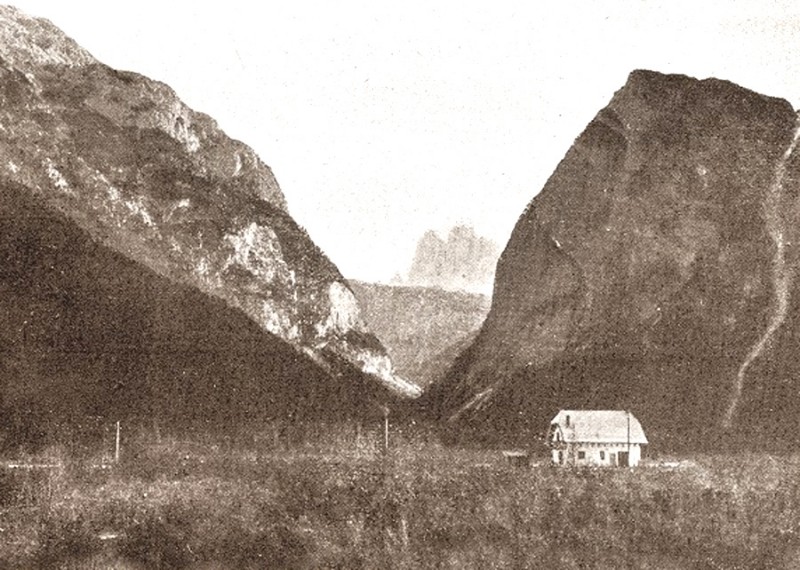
x: 340, y: 503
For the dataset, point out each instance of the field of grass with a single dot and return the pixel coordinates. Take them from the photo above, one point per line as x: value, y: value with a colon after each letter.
x: 187, y: 505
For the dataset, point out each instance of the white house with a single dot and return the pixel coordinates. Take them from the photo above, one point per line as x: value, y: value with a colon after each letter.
x: 596, y: 437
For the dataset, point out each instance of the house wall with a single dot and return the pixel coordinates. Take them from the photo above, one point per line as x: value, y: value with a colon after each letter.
x: 599, y: 454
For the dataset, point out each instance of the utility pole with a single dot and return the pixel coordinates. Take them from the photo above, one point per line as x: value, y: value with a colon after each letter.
x: 116, y: 445
x: 385, y: 429
x: 628, y: 414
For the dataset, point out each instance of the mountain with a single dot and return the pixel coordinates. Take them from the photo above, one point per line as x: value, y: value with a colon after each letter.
x: 463, y: 261
x: 653, y: 272
x: 88, y: 333
x: 144, y: 250
x: 421, y: 327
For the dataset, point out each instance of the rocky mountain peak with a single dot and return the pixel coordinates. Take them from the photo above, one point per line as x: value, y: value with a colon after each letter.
x: 648, y: 270
x: 119, y: 164
x: 462, y: 261
x: 26, y: 42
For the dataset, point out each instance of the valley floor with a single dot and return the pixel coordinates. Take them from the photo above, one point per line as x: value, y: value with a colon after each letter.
x: 185, y: 505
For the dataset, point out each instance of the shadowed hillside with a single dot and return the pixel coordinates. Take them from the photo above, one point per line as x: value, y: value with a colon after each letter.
x: 653, y: 272
x: 115, y: 340
x: 147, y: 251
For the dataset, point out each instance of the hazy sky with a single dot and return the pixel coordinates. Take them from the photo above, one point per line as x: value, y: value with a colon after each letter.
x: 384, y: 119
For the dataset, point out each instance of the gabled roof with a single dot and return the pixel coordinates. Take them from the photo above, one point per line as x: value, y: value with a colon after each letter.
x: 599, y: 426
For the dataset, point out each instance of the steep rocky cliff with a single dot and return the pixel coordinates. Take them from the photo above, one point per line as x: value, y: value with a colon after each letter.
x: 655, y: 272
x: 121, y: 162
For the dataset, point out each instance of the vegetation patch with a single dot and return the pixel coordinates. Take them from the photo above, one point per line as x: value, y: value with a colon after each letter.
x: 419, y: 506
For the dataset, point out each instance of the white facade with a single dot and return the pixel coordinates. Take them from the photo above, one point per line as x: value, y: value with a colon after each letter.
x: 597, y: 454
x: 596, y: 438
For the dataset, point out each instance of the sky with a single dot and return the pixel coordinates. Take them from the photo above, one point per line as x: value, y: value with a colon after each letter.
x: 382, y: 120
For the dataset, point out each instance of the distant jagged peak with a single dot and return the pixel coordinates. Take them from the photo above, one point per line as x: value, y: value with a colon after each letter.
x: 431, y: 238
x: 462, y: 261
x: 467, y: 234
x: 462, y: 232
x: 25, y: 41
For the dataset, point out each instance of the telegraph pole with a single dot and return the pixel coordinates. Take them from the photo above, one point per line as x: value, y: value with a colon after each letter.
x: 628, y: 414
x: 116, y: 445
x: 385, y: 429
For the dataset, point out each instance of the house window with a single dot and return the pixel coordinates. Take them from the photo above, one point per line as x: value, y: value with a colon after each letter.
x: 602, y: 456
x: 581, y: 455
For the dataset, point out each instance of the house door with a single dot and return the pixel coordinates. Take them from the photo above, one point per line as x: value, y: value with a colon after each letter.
x: 623, y: 458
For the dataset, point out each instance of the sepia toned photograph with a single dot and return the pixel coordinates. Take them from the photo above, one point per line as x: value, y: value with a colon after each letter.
x: 369, y: 285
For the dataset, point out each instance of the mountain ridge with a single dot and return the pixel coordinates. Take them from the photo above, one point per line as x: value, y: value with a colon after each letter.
x: 126, y: 161
x: 119, y: 342
x: 642, y: 274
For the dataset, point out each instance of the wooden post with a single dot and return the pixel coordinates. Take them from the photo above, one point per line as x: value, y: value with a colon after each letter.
x: 116, y: 445
x: 385, y: 429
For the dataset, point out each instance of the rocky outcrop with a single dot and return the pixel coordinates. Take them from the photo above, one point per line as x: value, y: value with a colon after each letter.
x: 124, y: 161
x: 464, y: 261
x: 653, y: 272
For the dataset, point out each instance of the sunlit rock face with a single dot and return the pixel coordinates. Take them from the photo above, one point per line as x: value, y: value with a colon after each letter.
x: 653, y: 264
x: 123, y: 160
